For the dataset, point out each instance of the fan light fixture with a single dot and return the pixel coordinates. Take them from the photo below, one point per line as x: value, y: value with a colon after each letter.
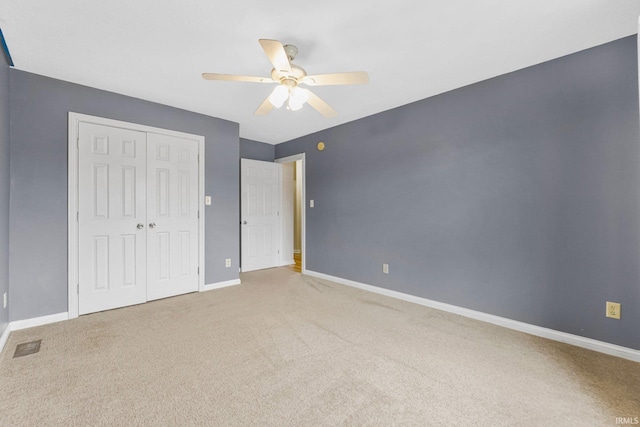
x: 289, y: 76
x: 278, y: 96
x: 296, y: 97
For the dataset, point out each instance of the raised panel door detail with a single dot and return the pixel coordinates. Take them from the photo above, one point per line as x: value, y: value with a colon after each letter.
x: 254, y: 236
x: 163, y: 192
x: 101, y: 191
x: 268, y: 199
x: 184, y: 155
x: 163, y: 255
x: 101, y: 263
x: 184, y: 193
x: 128, y: 191
x: 163, y: 152
x: 184, y: 237
x: 251, y: 199
x: 111, y: 202
x: 129, y: 260
x: 267, y: 238
x: 128, y: 148
x: 100, y: 145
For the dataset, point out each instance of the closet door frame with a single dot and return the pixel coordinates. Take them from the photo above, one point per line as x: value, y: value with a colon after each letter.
x: 72, y: 196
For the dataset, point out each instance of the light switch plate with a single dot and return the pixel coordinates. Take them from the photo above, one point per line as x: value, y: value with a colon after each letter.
x: 311, y: 203
x: 207, y: 200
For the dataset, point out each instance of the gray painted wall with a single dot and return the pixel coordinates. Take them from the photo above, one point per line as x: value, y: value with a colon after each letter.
x: 4, y: 189
x: 255, y: 150
x: 39, y: 117
x: 518, y: 196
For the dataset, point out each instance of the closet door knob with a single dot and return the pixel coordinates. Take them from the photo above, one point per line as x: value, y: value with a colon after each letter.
x: 152, y: 225
x: 141, y: 225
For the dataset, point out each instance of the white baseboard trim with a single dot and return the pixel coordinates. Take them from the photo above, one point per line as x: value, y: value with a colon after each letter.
x: 576, y: 340
x: 220, y: 285
x: 287, y: 262
x: 16, y: 325
x: 5, y: 336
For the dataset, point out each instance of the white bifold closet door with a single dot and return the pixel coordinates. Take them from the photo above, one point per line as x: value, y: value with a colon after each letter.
x: 138, y: 217
x: 172, y: 216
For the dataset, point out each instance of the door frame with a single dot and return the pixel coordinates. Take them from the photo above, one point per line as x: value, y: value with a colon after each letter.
x: 72, y: 196
x: 303, y: 206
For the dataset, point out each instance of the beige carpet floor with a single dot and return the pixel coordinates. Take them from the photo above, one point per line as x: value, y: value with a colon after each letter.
x: 284, y: 349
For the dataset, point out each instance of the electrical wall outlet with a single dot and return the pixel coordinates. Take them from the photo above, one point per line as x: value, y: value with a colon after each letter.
x: 227, y: 262
x: 385, y: 268
x: 613, y: 310
x: 4, y: 300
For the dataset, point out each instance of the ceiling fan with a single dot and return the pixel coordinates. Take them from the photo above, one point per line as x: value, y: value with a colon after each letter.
x: 288, y: 77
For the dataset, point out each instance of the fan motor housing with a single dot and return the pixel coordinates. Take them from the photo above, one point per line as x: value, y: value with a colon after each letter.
x: 284, y: 78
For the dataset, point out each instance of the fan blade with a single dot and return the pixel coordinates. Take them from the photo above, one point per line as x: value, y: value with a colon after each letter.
x: 322, y: 107
x: 264, y: 108
x: 352, y: 78
x: 277, y: 55
x: 233, y: 78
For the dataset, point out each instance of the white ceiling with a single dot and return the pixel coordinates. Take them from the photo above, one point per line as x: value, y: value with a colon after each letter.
x: 412, y: 49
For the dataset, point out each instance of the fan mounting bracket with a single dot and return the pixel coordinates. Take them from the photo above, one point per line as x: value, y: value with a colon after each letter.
x: 291, y: 51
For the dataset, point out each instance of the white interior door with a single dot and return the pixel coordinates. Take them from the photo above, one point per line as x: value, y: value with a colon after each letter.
x: 138, y: 219
x: 112, y: 215
x: 172, y: 215
x: 260, y: 229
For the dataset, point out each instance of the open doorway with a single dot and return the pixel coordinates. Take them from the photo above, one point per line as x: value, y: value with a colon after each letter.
x: 293, y: 204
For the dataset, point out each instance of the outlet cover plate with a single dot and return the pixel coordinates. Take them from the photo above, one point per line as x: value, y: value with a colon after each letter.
x: 613, y: 310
